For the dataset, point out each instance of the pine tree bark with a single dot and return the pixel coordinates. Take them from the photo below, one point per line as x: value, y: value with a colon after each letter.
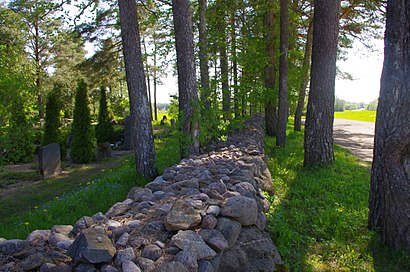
x: 283, y: 107
x: 223, y: 61
x: 318, y: 144
x: 148, y: 79
x: 389, y: 202
x: 271, y: 117
x: 143, y: 138
x: 203, y: 55
x: 236, y: 96
x: 187, y: 88
x: 155, y: 78
x: 305, y: 79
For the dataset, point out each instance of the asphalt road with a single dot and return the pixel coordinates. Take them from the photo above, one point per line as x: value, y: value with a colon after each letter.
x: 356, y: 136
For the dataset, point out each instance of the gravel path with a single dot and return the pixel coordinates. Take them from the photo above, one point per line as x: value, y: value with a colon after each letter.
x: 356, y: 136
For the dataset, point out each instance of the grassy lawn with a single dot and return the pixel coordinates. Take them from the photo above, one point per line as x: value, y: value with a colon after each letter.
x: 318, y: 218
x: 87, y: 190
x: 362, y: 115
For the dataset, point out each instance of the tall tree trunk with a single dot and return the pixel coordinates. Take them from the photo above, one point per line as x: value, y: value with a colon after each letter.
x: 187, y: 89
x: 389, y: 202
x: 155, y: 81
x: 318, y: 142
x: 148, y: 79
x: 203, y: 55
x: 224, y: 66
x: 143, y: 138
x: 283, y: 107
x: 305, y: 78
x: 270, y: 73
x: 39, y: 72
x: 234, y: 64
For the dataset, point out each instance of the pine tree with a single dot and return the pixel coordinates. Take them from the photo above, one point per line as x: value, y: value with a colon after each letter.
x: 104, y: 129
x: 83, y: 144
x: 52, y: 118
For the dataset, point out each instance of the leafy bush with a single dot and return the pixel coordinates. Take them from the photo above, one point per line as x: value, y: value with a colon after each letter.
x: 104, y: 128
x: 83, y: 144
x: 17, y: 144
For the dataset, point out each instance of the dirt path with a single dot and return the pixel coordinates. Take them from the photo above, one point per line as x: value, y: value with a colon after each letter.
x: 356, y: 136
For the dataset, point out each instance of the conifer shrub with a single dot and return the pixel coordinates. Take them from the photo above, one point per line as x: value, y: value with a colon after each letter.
x: 52, y: 118
x: 83, y: 144
x: 104, y: 128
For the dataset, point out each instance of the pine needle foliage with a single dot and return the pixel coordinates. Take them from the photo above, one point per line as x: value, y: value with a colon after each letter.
x: 83, y: 144
x: 52, y: 118
x: 104, y: 128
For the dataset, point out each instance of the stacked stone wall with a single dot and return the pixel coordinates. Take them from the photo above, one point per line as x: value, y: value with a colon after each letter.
x: 205, y: 214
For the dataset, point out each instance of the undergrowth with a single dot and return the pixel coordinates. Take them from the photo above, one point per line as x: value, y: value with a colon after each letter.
x: 318, y: 218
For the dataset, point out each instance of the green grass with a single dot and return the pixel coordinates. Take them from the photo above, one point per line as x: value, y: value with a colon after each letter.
x: 318, y: 218
x: 362, y: 115
x: 65, y: 200
x: 8, y: 178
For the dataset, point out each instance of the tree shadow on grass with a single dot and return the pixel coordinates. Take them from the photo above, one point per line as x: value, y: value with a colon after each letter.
x: 319, y: 214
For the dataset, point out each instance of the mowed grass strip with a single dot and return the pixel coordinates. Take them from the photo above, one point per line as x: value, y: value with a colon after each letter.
x: 318, y: 218
x: 360, y: 115
x: 65, y: 200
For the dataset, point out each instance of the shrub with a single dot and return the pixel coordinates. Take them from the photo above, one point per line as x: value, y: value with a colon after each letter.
x: 104, y: 128
x: 83, y: 144
x: 52, y: 118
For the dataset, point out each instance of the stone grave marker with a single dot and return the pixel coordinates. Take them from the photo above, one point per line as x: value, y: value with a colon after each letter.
x: 49, y: 159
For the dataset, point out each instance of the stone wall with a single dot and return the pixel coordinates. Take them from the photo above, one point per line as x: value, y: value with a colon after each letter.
x: 205, y: 214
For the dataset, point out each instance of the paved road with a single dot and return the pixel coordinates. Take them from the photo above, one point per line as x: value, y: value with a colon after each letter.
x: 356, y: 136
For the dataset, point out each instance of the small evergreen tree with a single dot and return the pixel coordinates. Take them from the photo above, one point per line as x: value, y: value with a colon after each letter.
x: 104, y: 129
x: 83, y: 144
x: 52, y: 118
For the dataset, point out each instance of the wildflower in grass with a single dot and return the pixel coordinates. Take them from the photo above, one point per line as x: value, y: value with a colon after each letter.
x: 26, y: 223
x: 36, y: 207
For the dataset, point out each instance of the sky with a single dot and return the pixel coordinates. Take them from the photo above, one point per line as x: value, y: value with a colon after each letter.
x: 364, y: 66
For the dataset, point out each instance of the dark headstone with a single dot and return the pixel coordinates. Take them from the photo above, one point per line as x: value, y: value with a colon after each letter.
x: 49, y: 160
x: 69, y: 139
x: 172, y: 122
x: 103, y: 151
x: 128, y: 143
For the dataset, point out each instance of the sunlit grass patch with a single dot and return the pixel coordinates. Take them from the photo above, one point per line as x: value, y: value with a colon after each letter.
x: 361, y: 115
x: 318, y: 218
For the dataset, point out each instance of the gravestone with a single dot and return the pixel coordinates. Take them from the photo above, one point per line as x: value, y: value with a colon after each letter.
x: 49, y: 160
x: 172, y: 122
x: 128, y: 141
x: 164, y: 118
x: 103, y: 150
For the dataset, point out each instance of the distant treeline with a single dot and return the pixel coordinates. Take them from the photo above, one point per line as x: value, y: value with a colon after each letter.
x: 342, y: 105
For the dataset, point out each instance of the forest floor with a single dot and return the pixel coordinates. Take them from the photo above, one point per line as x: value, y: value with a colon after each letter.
x: 356, y: 136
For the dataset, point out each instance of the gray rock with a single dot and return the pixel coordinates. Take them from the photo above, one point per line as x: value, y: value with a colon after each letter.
x: 190, y: 183
x: 261, y: 221
x: 205, y: 266
x: 182, y: 217
x: 57, y: 237
x: 158, y: 184
x: 243, y: 209
x: 92, y: 246
x: 172, y: 267
x: 85, y: 268
x: 192, y: 242
x: 113, y: 224
x: 108, y: 268
x: 134, y: 224
x: 235, y: 259
x: 62, y: 229
x: 117, y: 209
x: 209, y: 222
x: 64, y: 244
x: 213, y: 210
x: 230, y: 229
x: 188, y: 259
x: 38, y: 237
x: 33, y: 261
x: 127, y: 254
x: 145, y: 264
x: 214, y: 239
x: 82, y: 223
x: 130, y: 266
x: 245, y: 189
x: 152, y: 252
x: 140, y: 194
x: 49, y: 267
x: 10, y: 247
x: 123, y: 240
x: 219, y: 186
x: 99, y: 217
